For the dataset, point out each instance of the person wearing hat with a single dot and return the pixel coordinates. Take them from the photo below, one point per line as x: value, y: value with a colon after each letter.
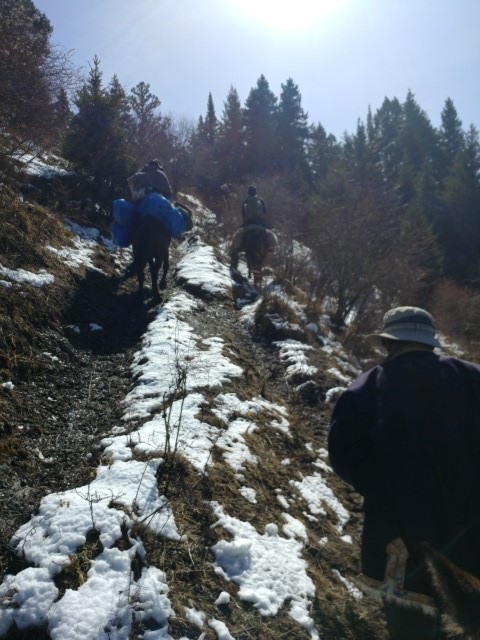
x: 151, y: 177
x: 406, y: 436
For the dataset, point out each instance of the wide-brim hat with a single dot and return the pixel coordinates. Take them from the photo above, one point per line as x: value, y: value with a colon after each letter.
x: 409, y: 324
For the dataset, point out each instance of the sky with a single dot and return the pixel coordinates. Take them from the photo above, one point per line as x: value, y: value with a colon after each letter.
x: 344, y: 55
x: 268, y: 566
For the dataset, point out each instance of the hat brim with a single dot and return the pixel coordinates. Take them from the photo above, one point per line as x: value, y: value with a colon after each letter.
x: 375, y: 339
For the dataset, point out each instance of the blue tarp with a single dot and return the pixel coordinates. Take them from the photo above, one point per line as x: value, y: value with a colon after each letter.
x: 159, y: 207
x: 154, y: 205
x: 124, y: 213
x: 121, y: 236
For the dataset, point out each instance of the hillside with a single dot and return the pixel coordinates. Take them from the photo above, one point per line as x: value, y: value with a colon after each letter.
x: 163, y: 468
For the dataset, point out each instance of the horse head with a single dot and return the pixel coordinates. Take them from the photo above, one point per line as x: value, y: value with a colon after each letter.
x: 459, y: 592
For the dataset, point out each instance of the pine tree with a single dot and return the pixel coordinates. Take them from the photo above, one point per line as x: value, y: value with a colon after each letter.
x: 231, y: 149
x: 387, y: 124
x: 426, y: 203
x: 452, y: 139
x: 259, y: 118
x: 205, y: 149
x: 120, y: 103
x: 322, y: 153
x: 370, y: 127
x: 211, y: 122
x: 460, y: 223
x: 417, y: 136
x: 291, y: 129
x: 145, y: 125
x: 359, y: 154
x: 471, y: 155
x: 62, y: 114
x: 95, y: 140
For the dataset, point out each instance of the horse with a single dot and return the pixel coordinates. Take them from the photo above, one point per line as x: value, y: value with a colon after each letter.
x: 255, y: 244
x: 150, y: 244
x: 460, y: 593
x: 453, y: 595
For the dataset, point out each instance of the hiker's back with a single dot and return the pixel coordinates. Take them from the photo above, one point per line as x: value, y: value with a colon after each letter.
x: 254, y: 211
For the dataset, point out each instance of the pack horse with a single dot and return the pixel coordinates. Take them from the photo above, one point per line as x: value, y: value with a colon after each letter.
x: 150, y: 245
x: 149, y: 228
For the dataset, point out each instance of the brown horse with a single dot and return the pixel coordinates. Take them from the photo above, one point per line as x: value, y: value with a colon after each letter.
x: 255, y: 244
x: 150, y: 244
x: 459, y: 592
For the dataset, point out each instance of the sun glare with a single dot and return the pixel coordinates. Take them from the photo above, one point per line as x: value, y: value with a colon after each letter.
x: 287, y: 15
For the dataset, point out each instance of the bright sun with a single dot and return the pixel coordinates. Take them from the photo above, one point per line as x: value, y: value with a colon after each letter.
x: 287, y: 14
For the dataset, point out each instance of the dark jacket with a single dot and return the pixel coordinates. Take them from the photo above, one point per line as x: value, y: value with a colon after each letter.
x: 152, y: 177
x: 406, y: 435
x: 254, y: 211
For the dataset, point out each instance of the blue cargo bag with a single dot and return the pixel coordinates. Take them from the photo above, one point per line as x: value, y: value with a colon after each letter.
x: 187, y: 214
x: 159, y: 207
x: 124, y: 213
x: 120, y: 234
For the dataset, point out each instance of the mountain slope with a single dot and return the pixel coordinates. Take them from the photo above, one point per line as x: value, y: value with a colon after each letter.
x: 242, y: 484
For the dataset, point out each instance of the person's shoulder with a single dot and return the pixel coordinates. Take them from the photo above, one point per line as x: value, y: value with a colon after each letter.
x: 361, y: 390
x: 460, y: 364
x: 365, y: 379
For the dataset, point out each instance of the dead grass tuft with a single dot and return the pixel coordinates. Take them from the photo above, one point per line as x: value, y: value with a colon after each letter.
x: 10, y: 445
x: 75, y: 573
x: 275, y: 319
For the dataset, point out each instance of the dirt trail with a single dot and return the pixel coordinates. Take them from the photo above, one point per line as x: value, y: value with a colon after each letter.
x: 76, y: 396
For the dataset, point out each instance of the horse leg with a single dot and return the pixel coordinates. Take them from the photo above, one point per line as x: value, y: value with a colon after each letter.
x: 249, y: 265
x: 166, y: 264
x: 154, y: 265
x: 257, y: 276
x: 141, y: 282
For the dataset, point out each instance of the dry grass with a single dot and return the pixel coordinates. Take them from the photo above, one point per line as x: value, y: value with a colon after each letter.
x: 275, y: 319
x: 74, y: 575
x: 25, y: 231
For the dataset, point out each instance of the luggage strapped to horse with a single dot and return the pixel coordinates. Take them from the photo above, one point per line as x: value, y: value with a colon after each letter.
x: 177, y: 218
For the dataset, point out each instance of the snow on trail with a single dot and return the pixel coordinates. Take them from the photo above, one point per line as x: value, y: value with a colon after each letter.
x: 172, y: 367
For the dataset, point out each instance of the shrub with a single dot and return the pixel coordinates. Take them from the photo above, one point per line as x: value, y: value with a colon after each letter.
x: 456, y: 309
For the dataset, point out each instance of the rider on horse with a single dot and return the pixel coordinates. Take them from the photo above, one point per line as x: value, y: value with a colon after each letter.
x: 254, y: 216
x: 150, y: 178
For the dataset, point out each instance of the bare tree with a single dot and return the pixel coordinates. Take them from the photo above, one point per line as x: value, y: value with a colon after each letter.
x: 367, y: 250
